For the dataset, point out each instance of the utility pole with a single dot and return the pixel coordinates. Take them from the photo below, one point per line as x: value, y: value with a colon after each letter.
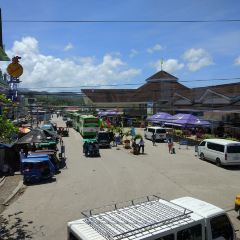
x: 1, y: 39
x: 3, y: 55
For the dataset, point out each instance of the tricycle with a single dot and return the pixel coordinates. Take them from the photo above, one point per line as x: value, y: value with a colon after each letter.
x: 91, y: 148
x: 63, y: 131
x: 36, y: 169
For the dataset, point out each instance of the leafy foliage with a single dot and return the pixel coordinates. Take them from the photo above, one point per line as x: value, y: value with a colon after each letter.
x: 57, y: 100
x: 7, y: 129
x: 138, y: 136
x: 178, y: 132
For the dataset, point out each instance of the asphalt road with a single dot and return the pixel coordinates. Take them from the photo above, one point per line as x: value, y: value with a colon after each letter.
x: 116, y: 176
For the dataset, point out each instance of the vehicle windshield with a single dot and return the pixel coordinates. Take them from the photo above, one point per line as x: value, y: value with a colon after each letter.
x: 91, y: 120
x: 233, y: 149
x: 103, y: 136
x: 221, y: 228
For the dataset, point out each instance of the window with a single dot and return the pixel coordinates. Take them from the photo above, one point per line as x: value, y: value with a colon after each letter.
x: 192, y: 233
x: 168, y: 237
x: 202, y: 143
x: 221, y: 228
x: 215, y: 146
x: 161, y: 131
x: 233, y: 149
x: 151, y: 130
x: 91, y: 120
x: 72, y: 237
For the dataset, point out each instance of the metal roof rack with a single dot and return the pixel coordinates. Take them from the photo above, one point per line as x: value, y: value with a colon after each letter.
x: 137, y: 219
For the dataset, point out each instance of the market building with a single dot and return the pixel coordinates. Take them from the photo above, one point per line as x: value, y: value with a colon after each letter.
x: 163, y: 92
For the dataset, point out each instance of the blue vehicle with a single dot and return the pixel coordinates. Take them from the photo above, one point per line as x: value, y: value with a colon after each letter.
x: 36, y: 168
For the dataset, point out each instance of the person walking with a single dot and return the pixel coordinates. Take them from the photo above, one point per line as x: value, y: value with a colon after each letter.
x: 141, y: 145
x: 170, y: 145
x: 154, y: 139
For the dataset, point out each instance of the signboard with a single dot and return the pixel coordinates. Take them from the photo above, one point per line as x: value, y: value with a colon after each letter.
x: 15, y: 69
x: 150, y: 108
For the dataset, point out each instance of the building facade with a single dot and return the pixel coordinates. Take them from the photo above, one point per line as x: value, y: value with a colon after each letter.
x: 163, y: 92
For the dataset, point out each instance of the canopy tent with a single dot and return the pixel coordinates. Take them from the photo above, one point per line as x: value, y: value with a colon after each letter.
x: 110, y: 112
x: 159, y: 117
x: 185, y: 120
x: 36, y: 135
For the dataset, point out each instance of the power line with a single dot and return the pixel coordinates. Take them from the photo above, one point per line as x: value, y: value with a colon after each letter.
x: 124, y: 21
x: 134, y: 84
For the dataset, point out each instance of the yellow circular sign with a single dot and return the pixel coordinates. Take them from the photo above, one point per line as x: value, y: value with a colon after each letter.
x: 15, y: 69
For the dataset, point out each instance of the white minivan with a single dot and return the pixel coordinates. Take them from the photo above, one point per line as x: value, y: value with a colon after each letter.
x: 160, y: 133
x: 155, y: 219
x: 221, y: 151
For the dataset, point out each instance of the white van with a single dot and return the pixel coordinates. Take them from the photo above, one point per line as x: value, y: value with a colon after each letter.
x: 160, y: 133
x: 221, y: 151
x: 155, y: 219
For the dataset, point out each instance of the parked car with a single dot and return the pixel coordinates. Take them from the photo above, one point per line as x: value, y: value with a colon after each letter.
x: 220, y: 151
x: 180, y: 219
x: 160, y: 133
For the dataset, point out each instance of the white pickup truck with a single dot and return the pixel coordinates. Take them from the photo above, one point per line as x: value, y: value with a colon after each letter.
x: 184, y: 218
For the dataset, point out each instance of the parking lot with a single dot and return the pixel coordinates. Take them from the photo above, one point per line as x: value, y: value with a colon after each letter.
x: 117, y: 176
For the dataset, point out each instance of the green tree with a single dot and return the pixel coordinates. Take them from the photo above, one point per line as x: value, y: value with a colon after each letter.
x: 7, y: 128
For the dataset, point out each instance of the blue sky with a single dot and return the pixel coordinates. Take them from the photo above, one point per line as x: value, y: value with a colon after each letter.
x: 86, y: 54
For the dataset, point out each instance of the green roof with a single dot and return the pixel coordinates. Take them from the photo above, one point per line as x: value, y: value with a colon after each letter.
x: 3, y: 55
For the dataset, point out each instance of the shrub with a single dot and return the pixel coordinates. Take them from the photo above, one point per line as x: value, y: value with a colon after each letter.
x: 232, y: 138
x: 178, y: 132
x: 138, y: 136
x: 207, y: 136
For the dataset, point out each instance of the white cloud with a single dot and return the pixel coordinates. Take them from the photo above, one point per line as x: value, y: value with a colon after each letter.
x: 68, y: 47
x: 170, y: 65
x: 237, y: 61
x: 48, y: 71
x: 133, y: 53
x: 197, y: 58
x: 155, y: 48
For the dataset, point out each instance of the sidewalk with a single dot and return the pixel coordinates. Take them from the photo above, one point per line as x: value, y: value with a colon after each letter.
x: 8, y: 188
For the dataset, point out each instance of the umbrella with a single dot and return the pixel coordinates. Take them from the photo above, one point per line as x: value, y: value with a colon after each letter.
x: 35, y: 136
x: 24, y: 130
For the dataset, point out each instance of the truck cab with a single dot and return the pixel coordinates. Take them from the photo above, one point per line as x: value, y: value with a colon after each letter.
x: 217, y: 223
x: 184, y: 218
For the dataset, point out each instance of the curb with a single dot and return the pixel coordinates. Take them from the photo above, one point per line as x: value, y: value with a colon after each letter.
x: 15, y: 191
x: 2, y: 180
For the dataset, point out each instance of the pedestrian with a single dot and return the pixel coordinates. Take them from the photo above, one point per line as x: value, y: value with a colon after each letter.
x: 111, y: 136
x: 170, y: 145
x: 141, y: 145
x: 117, y: 140
x: 154, y: 139
x: 25, y: 150
x: 135, y: 147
